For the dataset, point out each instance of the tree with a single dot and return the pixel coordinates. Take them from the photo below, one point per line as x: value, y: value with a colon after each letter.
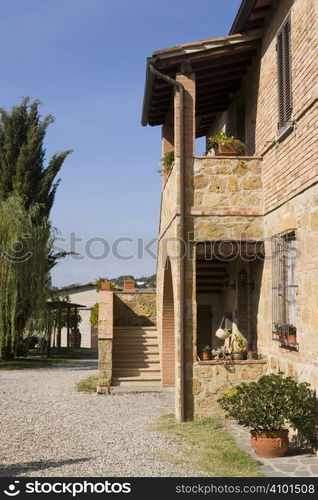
x: 24, y: 247
x: 22, y: 157
x: 27, y: 191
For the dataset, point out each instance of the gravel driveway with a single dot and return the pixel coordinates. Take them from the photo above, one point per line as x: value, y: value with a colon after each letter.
x: 49, y: 429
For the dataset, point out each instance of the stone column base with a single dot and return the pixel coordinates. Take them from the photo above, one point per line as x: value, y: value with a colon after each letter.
x: 103, y: 389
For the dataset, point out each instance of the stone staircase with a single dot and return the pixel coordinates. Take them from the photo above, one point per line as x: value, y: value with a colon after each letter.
x: 136, y: 357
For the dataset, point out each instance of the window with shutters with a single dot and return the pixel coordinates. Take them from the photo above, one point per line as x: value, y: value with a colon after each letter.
x: 285, y: 103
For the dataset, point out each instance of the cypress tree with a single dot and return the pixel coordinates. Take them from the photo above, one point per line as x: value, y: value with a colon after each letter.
x: 27, y: 191
x: 22, y: 157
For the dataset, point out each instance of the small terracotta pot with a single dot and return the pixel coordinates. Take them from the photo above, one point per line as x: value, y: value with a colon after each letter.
x: 252, y: 355
x: 270, y: 444
x: 205, y: 356
x: 292, y: 338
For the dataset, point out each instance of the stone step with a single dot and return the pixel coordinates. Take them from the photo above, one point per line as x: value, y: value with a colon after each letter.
x: 131, y: 350
x: 135, y: 382
x: 139, y: 363
x: 133, y: 335
x: 129, y: 328
x: 136, y: 371
x: 140, y: 343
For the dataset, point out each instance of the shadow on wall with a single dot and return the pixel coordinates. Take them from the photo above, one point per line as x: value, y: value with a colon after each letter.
x: 134, y: 310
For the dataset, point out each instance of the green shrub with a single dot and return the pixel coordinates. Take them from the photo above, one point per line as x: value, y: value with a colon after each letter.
x: 222, y: 138
x: 273, y: 403
x: 167, y: 162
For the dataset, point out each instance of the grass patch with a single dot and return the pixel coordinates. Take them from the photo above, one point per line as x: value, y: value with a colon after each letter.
x: 27, y: 363
x: 87, y: 384
x: 208, y: 448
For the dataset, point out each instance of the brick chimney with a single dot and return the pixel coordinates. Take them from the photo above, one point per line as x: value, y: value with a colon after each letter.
x: 105, y: 286
x: 129, y: 285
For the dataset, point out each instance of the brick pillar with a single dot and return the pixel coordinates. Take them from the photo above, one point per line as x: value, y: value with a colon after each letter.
x: 188, y: 82
x: 167, y: 144
x: 129, y: 285
x: 105, y: 337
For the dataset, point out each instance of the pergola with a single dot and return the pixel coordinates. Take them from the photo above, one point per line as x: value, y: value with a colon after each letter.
x: 59, y: 305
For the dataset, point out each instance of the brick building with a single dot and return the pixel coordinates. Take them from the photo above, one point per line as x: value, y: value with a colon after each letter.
x: 249, y: 224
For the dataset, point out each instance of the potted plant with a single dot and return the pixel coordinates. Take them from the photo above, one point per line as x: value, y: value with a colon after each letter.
x: 238, y: 346
x: 292, y: 334
x: 206, y: 353
x: 268, y: 407
x: 225, y: 145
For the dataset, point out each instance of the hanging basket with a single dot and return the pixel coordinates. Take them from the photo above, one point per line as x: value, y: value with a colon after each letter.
x: 222, y: 333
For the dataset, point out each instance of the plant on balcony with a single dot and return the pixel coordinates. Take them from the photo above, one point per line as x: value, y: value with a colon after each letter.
x: 167, y: 162
x: 238, y: 345
x: 205, y: 352
x: 268, y: 407
x: 225, y: 145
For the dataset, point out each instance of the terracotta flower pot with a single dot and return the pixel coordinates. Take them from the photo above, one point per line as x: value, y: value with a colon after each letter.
x: 205, y: 356
x: 228, y: 149
x: 292, y: 338
x: 270, y: 444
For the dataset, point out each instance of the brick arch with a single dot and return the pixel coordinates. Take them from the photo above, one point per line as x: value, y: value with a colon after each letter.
x: 168, y: 336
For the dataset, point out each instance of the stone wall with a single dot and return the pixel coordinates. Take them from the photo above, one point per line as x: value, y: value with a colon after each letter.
x: 227, y: 186
x: 135, y: 309
x: 212, y: 379
x: 301, y: 213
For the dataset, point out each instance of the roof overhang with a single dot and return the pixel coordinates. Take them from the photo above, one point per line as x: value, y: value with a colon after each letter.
x: 219, y: 65
x: 251, y: 15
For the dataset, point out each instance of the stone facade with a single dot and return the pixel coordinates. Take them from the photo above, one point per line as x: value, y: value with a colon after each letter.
x: 211, y: 380
x: 273, y: 189
x: 135, y: 309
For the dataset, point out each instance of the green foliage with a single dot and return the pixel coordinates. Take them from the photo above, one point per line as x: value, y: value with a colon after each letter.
x: 94, y: 315
x: 273, y: 403
x: 167, y: 162
x: 206, y: 348
x: 64, y: 316
x: 88, y: 384
x: 222, y: 138
x: 22, y: 156
x: 24, y: 246
x: 27, y: 191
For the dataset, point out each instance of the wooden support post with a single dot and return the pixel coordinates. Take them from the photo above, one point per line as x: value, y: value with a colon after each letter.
x: 68, y: 327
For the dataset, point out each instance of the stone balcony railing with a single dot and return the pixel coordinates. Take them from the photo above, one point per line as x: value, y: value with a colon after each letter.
x: 226, y: 186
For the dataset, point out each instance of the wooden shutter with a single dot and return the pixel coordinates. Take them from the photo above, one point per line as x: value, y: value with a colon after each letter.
x: 284, y: 74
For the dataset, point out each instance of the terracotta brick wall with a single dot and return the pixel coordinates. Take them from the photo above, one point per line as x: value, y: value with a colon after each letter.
x: 289, y: 166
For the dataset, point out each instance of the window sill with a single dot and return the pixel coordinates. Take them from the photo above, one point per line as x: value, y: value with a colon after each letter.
x: 233, y: 362
x: 285, y: 131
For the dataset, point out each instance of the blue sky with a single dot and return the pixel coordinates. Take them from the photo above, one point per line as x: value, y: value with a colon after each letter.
x: 85, y: 60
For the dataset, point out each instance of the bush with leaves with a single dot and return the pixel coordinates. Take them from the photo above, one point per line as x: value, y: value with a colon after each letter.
x: 167, y: 162
x: 94, y: 315
x: 272, y: 403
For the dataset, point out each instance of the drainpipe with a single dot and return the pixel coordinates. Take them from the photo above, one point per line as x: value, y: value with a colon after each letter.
x: 183, y: 252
